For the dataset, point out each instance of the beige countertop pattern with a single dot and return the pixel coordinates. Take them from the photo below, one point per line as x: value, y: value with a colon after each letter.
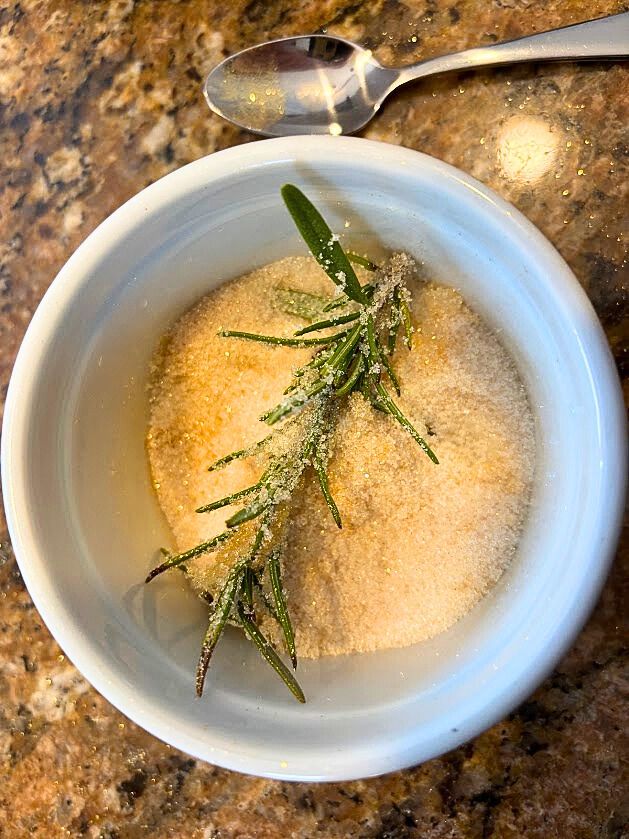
x: 97, y: 100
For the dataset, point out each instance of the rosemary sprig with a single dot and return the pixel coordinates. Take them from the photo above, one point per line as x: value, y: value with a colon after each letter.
x: 346, y: 361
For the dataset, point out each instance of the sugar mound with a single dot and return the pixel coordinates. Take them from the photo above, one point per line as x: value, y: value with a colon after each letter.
x: 420, y: 544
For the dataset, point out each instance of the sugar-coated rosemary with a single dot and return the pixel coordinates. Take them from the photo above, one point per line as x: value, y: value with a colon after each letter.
x: 355, y: 335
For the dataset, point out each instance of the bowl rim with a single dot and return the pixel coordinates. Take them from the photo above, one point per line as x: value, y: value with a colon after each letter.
x: 104, y: 677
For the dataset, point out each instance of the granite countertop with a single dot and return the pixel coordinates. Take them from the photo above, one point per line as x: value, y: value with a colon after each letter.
x: 99, y: 99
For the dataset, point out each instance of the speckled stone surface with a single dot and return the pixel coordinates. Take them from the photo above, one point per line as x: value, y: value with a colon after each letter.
x: 98, y: 99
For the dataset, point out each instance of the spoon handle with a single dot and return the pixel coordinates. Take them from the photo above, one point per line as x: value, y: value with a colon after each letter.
x: 605, y: 37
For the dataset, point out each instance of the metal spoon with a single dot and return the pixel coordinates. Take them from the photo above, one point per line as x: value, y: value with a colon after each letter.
x: 320, y: 84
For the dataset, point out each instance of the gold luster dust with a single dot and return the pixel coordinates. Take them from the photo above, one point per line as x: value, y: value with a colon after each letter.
x: 260, y: 106
x: 527, y: 148
x: 335, y: 129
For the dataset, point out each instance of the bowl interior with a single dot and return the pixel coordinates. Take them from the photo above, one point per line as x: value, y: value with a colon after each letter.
x: 94, y: 523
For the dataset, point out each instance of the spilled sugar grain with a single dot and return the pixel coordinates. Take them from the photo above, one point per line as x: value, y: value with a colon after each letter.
x: 420, y: 543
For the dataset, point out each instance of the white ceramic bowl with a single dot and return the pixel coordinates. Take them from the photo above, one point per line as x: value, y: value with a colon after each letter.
x: 85, y: 523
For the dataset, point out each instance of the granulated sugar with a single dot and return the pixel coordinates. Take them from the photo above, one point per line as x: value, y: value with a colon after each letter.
x: 420, y: 543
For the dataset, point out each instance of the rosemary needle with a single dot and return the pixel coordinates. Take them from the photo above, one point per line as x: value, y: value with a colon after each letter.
x: 247, y: 513
x: 344, y: 300
x: 229, y: 499
x: 246, y: 588
x: 302, y: 304
x: 393, y: 409
x: 217, y: 622
x: 357, y: 259
x: 379, y: 356
x: 323, y: 244
x: 268, y: 652
x: 355, y: 372
x: 281, y: 608
x: 325, y: 489
x: 325, y: 324
x: 264, y: 597
x: 177, y: 559
x: 406, y: 320
x: 281, y: 342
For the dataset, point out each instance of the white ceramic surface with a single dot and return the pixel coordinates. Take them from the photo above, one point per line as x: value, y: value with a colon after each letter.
x: 85, y: 525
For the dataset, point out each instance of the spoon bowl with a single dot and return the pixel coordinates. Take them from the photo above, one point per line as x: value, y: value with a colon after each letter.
x: 314, y: 84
